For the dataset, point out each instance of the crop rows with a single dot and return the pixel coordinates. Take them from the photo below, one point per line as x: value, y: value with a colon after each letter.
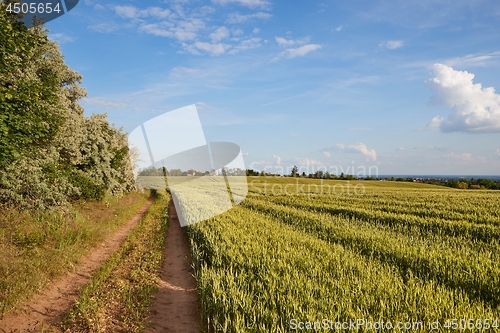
x: 276, y: 258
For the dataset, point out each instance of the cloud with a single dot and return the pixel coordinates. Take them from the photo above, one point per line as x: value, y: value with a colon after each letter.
x: 401, y: 149
x: 219, y: 34
x: 205, y: 108
x: 277, y: 159
x: 290, y: 42
x: 339, y: 28
x: 104, y: 28
x: 370, y: 155
x: 246, y: 3
x: 295, y: 135
x: 472, y: 59
x: 238, y: 18
x: 463, y: 158
x: 215, y: 49
x: 297, y: 52
x: 327, y: 154
x: 103, y: 103
x: 435, y: 122
x: 497, y: 152
x: 307, y: 161
x: 61, y: 38
x: 256, y: 30
x: 247, y: 44
x: 182, y: 30
x: 392, y: 44
x: 132, y: 12
x: 474, y: 109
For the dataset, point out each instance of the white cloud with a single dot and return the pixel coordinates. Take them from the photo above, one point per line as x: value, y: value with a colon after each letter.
x: 474, y: 109
x: 277, y: 159
x: 132, y: 12
x: 247, y: 44
x: 182, y: 30
x: 245, y: 153
x: 435, y: 122
x: 401, y: 149
x: 256, y: 30
x: 392, y: 44
x: 290, y: 42
x: 497, y: 152
x: 238, y: 18
x: 219, y: 34
x: 104, y: 28
x: 205, y: 108
x: 307, y: 161
x: 246, y: 3
x: 297, y: 52
x: 61, y: 38
x: 215, y: 49
x: 103, y: 103
x: 295, y: 135
x: 472, y: 59
x: 339, y: 28
x: 327, y: 154
x: 370, y: 155
x: 463, y: 158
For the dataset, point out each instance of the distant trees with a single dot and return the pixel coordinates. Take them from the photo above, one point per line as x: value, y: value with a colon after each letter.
x: 474, y: 184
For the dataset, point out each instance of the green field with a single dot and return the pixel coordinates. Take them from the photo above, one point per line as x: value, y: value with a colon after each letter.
x: 303, y: 250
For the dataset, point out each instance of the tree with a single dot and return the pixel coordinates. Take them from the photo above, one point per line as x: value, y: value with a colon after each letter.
x: 49, y: 151
x: 294, y: 171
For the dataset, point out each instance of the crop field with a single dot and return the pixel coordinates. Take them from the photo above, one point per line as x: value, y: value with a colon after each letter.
x: 309, y: 252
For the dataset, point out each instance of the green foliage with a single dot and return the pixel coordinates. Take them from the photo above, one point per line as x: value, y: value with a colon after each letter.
x: 49, y: 151
x: 29, y: 118
x: 87, y: 188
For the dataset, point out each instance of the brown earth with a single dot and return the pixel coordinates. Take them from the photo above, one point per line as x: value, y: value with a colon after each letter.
x: 50, y: 306
x: 175, y: 307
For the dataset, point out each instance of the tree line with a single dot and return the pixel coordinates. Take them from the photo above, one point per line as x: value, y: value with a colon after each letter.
x: 50, y: 152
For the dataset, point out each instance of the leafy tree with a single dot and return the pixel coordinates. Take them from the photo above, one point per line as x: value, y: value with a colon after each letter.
x: 49, y: 151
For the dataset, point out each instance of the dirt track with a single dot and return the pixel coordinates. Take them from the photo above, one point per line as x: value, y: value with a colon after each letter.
x: 50, y: 306
x: 175, y: 307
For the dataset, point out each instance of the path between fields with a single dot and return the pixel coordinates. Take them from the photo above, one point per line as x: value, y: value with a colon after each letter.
x: 50, y: 305
x: 175, y: 307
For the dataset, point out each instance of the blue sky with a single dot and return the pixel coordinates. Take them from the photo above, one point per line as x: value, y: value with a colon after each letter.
x: 404, y: 86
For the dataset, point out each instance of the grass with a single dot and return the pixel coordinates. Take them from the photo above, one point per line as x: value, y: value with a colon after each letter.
x: 39, y: 247
x: 119, y: 294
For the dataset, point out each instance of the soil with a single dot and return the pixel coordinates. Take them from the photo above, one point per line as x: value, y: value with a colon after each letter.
x: 50, y: 306
x: 175, y: 307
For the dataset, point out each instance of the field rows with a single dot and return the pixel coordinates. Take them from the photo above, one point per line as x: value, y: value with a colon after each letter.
x: 311, y: 257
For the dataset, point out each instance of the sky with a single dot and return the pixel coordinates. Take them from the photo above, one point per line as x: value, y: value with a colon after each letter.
x: 395, y: 87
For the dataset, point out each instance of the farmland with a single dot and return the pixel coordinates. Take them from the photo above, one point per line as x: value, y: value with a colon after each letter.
x: 304, y: 250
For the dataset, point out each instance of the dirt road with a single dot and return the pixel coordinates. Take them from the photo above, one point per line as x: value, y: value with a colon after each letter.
x: 50, y: 306
x: 175, y: 307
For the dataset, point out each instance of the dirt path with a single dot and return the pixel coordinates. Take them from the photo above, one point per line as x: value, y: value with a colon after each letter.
x: 175, y: 308
x: 50, y: 306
